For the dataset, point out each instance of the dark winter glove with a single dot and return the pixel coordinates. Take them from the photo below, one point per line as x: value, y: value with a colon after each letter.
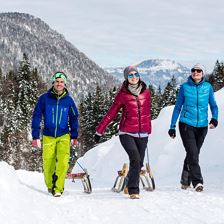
x: 172, y: 133
x: 214, y: 122
x: 97, y: 138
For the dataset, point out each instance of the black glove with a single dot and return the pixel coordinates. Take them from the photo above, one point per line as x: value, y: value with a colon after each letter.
x: 172, y: 133
x: 214, y: 122
x: 97, y: 138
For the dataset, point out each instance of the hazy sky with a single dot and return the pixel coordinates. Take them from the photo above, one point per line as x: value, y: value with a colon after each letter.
x: 123, y: 32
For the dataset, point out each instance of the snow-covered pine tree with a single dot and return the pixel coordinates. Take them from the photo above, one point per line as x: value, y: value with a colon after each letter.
x: 25, y: 101
x: 9, y: 117
x: 217, y: 76
x: 86, y: 123
x: 113, y: 127
x: 170, y: 93
x: 155, y: 102
x: 18, y: 103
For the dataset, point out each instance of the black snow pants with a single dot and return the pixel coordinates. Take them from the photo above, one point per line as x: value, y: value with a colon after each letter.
x: 135, y: 148
x: 193, y: 139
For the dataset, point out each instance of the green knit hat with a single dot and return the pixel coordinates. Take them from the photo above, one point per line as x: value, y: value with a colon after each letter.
x: 59, y: 75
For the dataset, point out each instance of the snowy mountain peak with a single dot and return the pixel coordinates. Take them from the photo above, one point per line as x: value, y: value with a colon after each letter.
x: 156, y: 72
x: 159, y: 64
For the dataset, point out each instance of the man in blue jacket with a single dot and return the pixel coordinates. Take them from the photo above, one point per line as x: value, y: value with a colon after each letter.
x: 60, y: 129
x: 192, y: 104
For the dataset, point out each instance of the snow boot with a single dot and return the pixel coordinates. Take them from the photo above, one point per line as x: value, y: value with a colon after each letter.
x: 57, y: 194
x: 134, y: 196
x: 185, y: 187
x: 199, y: 187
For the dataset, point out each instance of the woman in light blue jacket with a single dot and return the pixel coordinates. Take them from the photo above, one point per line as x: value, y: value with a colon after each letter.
x: 192, y: 104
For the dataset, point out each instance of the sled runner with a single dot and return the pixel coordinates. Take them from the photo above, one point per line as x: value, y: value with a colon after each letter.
x: 83, y: 176
x: 146, y: 178
x: 147, y: 181
x: 119, y: 183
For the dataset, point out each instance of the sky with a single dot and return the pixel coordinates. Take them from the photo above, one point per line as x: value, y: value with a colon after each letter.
x: 123, y: 32
x: 24, y: 198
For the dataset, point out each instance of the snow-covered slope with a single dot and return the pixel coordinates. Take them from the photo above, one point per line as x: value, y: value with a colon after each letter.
x: 156, y: 72
x: 23, y: 197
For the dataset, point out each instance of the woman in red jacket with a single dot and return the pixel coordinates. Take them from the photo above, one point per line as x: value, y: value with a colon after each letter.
x: 135, y: 125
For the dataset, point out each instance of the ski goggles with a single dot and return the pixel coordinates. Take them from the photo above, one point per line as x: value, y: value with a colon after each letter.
x: 130, y: 76
x: 196, y: 70
x: 59, y: 75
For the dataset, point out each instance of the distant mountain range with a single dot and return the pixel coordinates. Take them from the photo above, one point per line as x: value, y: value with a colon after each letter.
x: 156, y: 72
x: 49, y: 52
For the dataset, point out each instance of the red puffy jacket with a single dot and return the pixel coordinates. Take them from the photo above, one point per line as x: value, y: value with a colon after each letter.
x: 136, y: 116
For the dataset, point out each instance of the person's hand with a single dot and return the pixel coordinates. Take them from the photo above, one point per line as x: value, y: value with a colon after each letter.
x: 74, y: 142
x: 36, y: 143
x: 172, y: 133
x: 97, y: 138
x: 213, y: 123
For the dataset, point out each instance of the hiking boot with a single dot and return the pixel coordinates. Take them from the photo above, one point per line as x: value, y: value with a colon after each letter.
x: 134, y: 196
x: 184, y: 187
x: 57, y: 194
x: 49, y: 191
x: 199, y: 187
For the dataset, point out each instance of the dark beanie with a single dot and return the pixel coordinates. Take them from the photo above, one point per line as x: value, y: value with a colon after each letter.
x: 129, y: 69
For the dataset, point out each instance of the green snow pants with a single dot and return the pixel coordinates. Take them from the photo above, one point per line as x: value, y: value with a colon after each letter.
x: 56, y: 154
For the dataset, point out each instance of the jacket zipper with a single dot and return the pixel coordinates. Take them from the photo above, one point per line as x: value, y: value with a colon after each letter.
x: 139, y: 117
x: 53, y: 115
x: 56, y: 125
x: 197, y: 107
x: 60, y: 116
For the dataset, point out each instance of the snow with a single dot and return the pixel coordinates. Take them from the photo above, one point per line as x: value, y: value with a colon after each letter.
x: 23, y: 196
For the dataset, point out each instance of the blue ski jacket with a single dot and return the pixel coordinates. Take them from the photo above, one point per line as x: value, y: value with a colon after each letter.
x: 60, y: 115
x: 192, y: 102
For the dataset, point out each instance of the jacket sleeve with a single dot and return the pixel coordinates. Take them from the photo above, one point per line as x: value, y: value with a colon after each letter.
x: 73, y: 120
x: 177, y: 108
x: 37, y: 116
x: 111, y: 114
x: 213, y: 105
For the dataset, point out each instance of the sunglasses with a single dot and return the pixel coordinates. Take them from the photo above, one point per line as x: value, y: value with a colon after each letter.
x: 130, y: 76
x: 196, y: 70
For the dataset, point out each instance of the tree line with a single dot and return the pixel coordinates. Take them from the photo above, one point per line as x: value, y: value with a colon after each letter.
x: 20, y: 89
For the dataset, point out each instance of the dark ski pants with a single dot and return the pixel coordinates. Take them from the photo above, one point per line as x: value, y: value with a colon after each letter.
x: 193, y: 139
x: 135, y: 148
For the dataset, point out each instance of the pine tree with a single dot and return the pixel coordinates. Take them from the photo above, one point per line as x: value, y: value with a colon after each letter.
x: 155, y: 103
x: 19, y: 95
x: 86, y: 123
x: 113, y: 127
x: 217, y: 76
x: 24, y: 104
x: 170, y: 93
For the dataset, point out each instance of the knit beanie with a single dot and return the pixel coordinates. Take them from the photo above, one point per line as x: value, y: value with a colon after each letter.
x: 199, y: 66
x: 129, y: 69
x: 59, y: 75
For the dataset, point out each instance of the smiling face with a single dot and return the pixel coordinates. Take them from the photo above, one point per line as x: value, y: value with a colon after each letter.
x: 133, y: 77
x: 59, y: 85
x: 196, y: 74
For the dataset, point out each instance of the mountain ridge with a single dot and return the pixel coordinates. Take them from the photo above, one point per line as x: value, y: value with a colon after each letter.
x: 49, y: 52
x: 156, y: 72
